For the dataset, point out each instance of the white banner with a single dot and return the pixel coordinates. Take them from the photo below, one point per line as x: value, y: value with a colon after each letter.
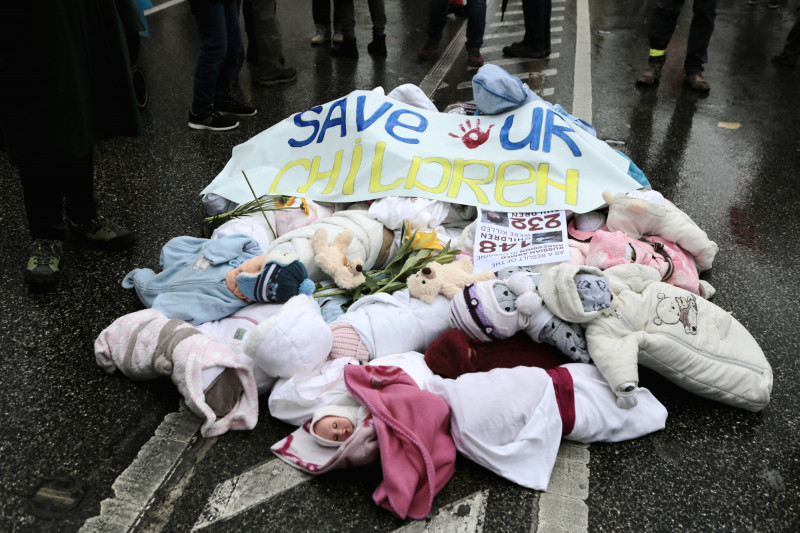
x: 367, y: 146
x: 519, y: 239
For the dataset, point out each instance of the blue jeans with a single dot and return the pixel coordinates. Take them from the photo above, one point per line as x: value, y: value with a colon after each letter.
x: 537, y: 22
x: 219, y: 54
x: 662, y: 24
x: 476, y: 20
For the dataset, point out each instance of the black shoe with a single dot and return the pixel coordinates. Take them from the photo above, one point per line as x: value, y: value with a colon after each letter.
x: 784, y: 60
x: 229, y: 106
x: 101, y: 233
x: 284, y: 76
x: 346, y: 48
x: 521, y: 49
x: 44, y: 260
x: 378, y: 45
x: 212, y: 120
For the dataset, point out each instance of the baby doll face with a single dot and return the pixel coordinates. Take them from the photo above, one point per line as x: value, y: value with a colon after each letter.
x: 251, y: 266
x: 335, y: 428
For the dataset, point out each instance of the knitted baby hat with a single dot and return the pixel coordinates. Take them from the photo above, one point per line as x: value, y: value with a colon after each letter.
x: 496, y: 91
x: 476, y: 311
x: 346, y: 411
x: 281, y: 277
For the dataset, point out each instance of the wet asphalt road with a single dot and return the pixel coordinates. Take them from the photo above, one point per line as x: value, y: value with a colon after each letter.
x: 713, y: 468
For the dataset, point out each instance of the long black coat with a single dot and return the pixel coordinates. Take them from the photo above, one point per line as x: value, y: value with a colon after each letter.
x: 66, y: 77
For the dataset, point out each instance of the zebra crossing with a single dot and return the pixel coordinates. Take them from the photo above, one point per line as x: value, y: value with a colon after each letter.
x: 539, y: 74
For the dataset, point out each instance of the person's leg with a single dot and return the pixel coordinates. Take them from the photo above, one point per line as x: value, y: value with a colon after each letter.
x: 663, y: 20
x: 43, y: 193
x: 377, y: 12
x: 536, y: 42
x: 268, y: 40
x: 43, y: 187
x: 476, y: 22
x: 233, y: 47
x: 344, y: 13
x: 211, y: 25
x: 437, y: 17
x: 703, y: 14
x: 80, y: 205
x: 791, y: 50
x: 321, y: 13
x: 267, y: 37
x: 537, y: 22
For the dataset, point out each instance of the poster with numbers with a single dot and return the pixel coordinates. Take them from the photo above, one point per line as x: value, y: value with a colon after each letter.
x: 519, y: 239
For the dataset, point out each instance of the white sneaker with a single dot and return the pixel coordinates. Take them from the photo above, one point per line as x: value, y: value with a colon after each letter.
x: 338, y: 37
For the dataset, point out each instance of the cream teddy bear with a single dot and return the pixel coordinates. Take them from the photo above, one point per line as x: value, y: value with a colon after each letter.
x: 332, y: 260
x: 436, y: 278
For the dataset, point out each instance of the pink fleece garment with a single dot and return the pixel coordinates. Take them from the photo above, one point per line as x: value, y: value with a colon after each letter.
x: 418, y: 454
x: 604, y: 249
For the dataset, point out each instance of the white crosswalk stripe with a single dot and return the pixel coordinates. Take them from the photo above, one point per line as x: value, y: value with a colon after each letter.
x: 463, y: 516
x: 249, y: 489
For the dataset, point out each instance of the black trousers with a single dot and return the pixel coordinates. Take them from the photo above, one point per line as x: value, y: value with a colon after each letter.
x: 51, y: 188
x: 663, y: 20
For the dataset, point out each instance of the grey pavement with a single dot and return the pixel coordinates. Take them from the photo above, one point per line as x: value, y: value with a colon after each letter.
x: 127, y: 457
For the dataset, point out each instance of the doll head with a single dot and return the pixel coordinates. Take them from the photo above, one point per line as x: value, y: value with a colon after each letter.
x: 333, y: 424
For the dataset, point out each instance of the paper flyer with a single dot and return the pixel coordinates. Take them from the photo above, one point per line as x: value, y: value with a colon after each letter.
x: 519, y: 239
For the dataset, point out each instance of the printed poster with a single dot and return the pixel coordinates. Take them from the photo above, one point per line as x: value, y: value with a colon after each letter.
x: 519, y: 239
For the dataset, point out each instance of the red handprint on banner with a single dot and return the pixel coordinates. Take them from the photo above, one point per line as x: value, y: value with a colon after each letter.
x: 473, y: 137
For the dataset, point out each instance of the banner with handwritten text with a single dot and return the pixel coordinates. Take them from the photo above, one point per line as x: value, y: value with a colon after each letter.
x: 367, y: 146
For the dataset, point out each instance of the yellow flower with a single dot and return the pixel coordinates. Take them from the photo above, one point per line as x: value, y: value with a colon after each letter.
x: 284, y: 201
x: 426, y: 241
x: 304, y: 206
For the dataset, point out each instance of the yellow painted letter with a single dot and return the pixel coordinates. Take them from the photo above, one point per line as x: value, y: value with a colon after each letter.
x: 570, y: 185
x: 501, y: 182
x: 305, y: 163
x: 377, y: 165
x: 458, y: 177
x: 411, y: 179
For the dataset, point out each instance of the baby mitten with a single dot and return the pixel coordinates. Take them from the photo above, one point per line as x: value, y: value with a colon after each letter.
x: 567, y: 337
x: 544, y: 326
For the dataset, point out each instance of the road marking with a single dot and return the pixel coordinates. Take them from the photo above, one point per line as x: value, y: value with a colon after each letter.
x: 582, y: 86
x: 495, y: 48
x: 507, y: 22
x: 463, y: 516
x: 516, y: 61
x: 165, y: 5
x: 249, y: 489
x: 563, y: 507
x: 154, y: 464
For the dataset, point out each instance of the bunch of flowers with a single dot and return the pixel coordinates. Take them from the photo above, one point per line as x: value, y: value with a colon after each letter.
x: 417, y: 249
x: 259, y: 204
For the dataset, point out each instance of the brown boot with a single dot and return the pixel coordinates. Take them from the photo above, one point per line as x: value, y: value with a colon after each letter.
x: 697, y: 83
x: 650, y: 77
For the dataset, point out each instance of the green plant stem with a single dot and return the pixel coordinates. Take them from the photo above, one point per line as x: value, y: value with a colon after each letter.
x: 274, y: 235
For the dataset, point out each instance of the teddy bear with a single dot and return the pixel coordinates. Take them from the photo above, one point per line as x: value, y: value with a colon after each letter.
x: 331, y: 258
x: 448, y: 279
x: 649, y: 213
